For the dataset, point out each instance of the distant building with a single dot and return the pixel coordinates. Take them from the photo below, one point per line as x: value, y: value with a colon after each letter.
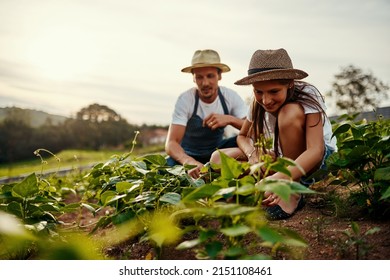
x: 370, y: 116
x: 153, y: 136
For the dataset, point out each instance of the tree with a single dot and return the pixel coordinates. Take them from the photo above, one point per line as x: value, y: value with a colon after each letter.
x: 98, y: 126
x: 97, y: 113
x: 355, y: 91
x: 14, y: 144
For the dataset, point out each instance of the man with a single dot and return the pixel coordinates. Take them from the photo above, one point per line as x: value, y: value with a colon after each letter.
x: 202, y: 113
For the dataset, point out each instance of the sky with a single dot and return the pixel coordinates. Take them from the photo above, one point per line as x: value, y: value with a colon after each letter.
x: 61, y: 56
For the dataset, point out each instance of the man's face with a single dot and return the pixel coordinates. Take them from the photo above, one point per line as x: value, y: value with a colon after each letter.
x: 206, y: 79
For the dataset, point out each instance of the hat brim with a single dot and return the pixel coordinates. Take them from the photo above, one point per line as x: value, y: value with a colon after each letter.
x: 224, y: 68
x: 275, y: 74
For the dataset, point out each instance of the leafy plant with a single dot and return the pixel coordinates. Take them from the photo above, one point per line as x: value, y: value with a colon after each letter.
x: 317, y: 225
x: 153, y: 202
x: 363, y: 160
x: 235, y: 219
x: 358, y: 240
x: 33, y: 201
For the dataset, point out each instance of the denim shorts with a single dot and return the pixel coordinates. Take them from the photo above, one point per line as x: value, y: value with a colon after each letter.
x: 309, y: 179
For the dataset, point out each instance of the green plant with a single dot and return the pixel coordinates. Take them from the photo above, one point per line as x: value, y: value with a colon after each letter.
x: 235, y: 219
x: 317, y: 225
x: 152, y: 202
x: 33, y: 201
x: 358, y: 240
x: 363, y: 160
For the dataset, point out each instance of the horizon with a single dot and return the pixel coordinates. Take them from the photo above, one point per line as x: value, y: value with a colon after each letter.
x: 61, y: 57
x: 161, y: 125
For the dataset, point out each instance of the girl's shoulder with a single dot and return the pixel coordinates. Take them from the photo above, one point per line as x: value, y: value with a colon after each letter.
x: 307, y: 88
x: 311, y: 98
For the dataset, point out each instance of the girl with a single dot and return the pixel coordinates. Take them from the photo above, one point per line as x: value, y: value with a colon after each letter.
x: 293, y: 114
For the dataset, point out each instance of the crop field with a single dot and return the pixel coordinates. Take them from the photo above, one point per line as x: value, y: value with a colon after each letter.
x: 133, y: 206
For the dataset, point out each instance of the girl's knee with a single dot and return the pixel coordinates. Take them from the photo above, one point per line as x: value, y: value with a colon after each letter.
x: 215, y: 158
x: 230, y: 152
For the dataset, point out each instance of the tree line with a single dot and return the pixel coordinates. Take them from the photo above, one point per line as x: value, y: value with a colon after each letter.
x: 94, y: 127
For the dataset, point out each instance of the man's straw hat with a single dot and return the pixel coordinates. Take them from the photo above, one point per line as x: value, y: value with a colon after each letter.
x: 206, y: 58
x: 268, y: 65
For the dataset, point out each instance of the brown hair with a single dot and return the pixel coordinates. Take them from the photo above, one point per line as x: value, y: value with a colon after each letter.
x: 294, y: 94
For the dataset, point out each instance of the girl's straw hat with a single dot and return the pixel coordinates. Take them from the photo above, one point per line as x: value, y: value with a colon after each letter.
x: 206, y: 58
x: 268, y: 65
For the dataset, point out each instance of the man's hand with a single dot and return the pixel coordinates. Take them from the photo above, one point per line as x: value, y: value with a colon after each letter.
x: 213, y: 121
x: 195, y: 172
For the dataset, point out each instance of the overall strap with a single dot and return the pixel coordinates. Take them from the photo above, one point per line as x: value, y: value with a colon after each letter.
x: 196, y: 104
x: 225, y: 108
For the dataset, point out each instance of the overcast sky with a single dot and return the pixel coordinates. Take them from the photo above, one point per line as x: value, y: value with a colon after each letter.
x: 61, y: 56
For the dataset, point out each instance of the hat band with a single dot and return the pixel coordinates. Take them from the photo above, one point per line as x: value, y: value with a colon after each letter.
x: 258, y: 70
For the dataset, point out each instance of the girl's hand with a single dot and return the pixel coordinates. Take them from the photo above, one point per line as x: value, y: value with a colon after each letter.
x: 270, y: 199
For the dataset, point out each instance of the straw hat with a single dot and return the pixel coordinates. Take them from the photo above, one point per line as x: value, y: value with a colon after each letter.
x: 268, y: 65
x: 206, y: 58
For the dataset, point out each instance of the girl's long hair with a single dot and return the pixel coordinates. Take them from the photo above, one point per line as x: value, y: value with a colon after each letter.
x: 297, y: 93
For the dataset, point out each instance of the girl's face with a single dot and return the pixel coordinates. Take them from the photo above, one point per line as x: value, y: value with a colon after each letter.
x: 271, y: 95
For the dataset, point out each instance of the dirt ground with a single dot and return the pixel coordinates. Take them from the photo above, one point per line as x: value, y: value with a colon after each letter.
x: 323, y: 233
x: 317, y: 223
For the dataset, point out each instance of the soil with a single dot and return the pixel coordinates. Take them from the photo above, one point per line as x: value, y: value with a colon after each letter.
x: 318, y: 223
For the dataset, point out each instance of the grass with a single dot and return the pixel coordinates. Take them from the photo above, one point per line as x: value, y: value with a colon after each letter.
x: 66, y: 159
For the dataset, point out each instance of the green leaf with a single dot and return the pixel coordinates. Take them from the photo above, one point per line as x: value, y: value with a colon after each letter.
x: 386, y: 194
x: 278, y: 187
x: 122, y: 187
x: 293, y: 238
x: 299, y: 188
x: 358, y: 131
x: 50, y: 208
x: 88, y: 207
x: 176, y: 170
x: 206, y: 234
x: 239, y: 210
x: 236, y: 230
x: 358, y: 152
x: 382, y: 174
x: 15, y: 208
x: 115, y: 198
x: 127, y: 187
x: 171, y: 198
x: 156, y: 159
x: 279, y: 167
x: 341, y: 129
x: 225, y: 191
x: 121, y: 218
x: 213, y: 248
x: 188, y: 244
x: 246, y: 190
x: 270, y: 235
x: 201, y: 192
x: 235, y: 251
x: 372, y: 231
x: 146, y: 196
x: 106, y: 196
x: 355, y: 227
x: 71, y: 207
x: 27, y: 188
x: 283, y: 188
x: 230, y: 168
